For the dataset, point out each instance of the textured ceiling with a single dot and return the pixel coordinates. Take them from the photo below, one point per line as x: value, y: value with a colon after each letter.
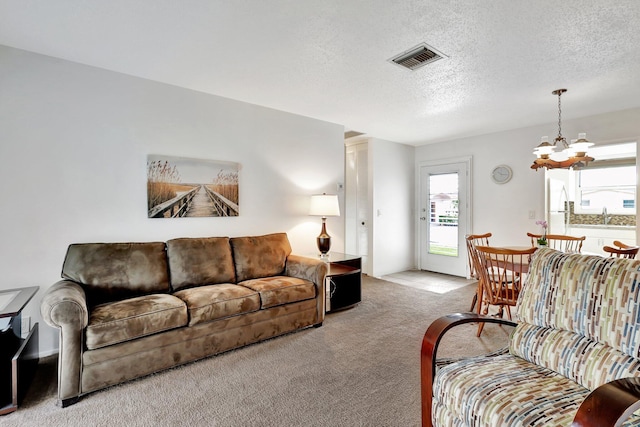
x: 329, y: 59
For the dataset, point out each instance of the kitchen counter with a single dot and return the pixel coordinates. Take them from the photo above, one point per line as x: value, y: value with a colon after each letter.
x: 604, y: 226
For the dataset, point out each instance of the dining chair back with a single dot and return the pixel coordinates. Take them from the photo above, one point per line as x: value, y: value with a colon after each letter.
x: 560, y: 242
x: 502, y: 272
x: 621, y: 250
x: 474, y: 240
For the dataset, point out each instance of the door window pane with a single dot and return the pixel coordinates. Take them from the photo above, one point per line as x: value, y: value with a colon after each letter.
x: 443, y: 215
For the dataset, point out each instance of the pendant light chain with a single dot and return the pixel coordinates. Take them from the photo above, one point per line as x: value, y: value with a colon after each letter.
x: 559, y: 116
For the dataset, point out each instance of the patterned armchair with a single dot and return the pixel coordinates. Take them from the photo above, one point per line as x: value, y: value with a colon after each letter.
x: 573, y: 358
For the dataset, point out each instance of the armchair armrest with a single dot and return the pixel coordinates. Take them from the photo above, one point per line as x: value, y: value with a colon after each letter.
x: 315, y: 271
x: 64, y: 306
x: 430, y: 343
x: 610, y: 404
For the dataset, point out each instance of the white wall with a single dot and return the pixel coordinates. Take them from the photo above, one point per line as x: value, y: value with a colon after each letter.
x: 504, y: 209
x: 73, y: 147
x: 392, y: 205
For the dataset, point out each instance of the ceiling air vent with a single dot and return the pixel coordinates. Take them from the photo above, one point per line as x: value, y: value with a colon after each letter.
x: 417, y: 57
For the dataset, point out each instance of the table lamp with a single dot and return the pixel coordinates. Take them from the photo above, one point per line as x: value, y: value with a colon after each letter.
x: 324, y: 205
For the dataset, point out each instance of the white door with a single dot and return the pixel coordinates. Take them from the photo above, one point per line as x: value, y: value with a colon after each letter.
x: 444, y: 217
x: 357, y: 202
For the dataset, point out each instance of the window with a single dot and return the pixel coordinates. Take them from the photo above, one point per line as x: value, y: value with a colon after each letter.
x: 613, y: 188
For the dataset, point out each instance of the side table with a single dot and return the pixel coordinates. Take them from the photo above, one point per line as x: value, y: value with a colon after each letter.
x: 344, y: 281
x: 18, y: 357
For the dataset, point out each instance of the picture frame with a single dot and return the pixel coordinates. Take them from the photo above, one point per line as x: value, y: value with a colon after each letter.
x: 180, y: 187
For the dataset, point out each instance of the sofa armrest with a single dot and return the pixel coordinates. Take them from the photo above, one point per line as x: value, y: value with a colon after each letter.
x: 315, y: 271
x: 610, y: 404
x: 63, y: 303
x: 430, y: 344
x: 64, y: 306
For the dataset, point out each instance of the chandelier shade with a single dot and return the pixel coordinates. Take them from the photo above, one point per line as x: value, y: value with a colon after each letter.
x: 561, y: 155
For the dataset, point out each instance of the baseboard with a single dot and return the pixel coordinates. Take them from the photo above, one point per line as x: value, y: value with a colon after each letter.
x: 46, y: 353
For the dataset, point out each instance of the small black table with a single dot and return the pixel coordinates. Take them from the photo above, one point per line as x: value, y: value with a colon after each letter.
x: 18, y: 356
x: 344, y: 281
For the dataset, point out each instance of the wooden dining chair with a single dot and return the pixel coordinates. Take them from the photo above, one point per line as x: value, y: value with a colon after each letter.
x: 560, y: 242
x: 502, y: 277
x: 621, y: 250
x: 474, y: 240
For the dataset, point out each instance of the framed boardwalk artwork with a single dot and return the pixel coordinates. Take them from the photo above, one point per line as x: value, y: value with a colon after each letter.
x: 182, y: 187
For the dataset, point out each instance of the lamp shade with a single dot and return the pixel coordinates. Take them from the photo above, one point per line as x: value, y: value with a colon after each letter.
x: 324, y: 205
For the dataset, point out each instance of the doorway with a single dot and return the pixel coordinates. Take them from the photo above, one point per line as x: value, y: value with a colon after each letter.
x: 357, y: 203
x: 444, y: 216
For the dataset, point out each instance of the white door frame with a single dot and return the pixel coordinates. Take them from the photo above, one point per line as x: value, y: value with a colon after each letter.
x: 467, y: 160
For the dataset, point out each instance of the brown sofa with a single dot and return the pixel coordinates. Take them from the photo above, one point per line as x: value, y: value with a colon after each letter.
x: 125, y: 310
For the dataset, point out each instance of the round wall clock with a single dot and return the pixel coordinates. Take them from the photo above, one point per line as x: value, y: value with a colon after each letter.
x: 501, y: 174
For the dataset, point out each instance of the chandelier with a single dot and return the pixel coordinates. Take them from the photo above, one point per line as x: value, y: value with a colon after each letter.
x: 561, y: 155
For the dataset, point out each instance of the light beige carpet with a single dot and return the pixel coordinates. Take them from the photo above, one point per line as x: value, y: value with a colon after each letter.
x: 360, y: 369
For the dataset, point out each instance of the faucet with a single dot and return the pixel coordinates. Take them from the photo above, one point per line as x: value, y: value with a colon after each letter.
x: 606, y: 218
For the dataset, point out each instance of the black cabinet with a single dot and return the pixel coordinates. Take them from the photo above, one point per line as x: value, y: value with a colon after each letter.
x: 344, y: 281
x: 18, y: 356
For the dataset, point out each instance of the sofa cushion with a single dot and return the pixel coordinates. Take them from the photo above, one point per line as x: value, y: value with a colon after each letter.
x: 125, y: 320
x: 590, y: 295
x: 260, y: 256
x: 206, y: 303
x: 116, y: 271
x: 587, y: 362
x: 200, y: 261
x: 278, y: 290
x: 579, y: 317
x: 505, y: 390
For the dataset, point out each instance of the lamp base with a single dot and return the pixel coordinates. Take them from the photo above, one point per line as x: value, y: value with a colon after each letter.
x: 324, y: 240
